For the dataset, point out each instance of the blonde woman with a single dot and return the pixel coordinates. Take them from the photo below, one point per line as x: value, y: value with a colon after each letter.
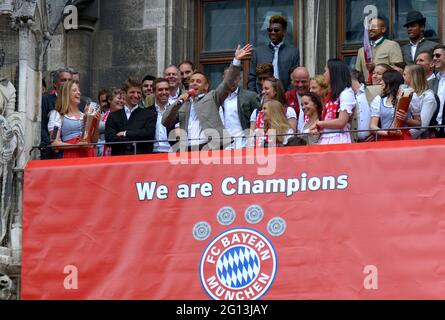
x: 423, y: 104
x: 277, y: 131
x: 65, y: 123
x: 273, y: 90
x: 319, y: 86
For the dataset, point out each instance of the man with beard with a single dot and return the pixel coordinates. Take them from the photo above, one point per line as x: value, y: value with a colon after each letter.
x: 383, y: 50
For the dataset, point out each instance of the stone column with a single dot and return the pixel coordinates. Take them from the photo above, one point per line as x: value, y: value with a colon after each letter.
x: 181, y: 26
x: 79, y: 51
x: 174, y: 22
x: 79, y: 44
x: 317, y: 25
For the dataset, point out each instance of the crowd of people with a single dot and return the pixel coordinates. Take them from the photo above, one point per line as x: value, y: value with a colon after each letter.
x: 283, y: 106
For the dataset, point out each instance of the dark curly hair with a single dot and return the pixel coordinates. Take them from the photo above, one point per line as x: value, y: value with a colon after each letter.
x: 279, y: 19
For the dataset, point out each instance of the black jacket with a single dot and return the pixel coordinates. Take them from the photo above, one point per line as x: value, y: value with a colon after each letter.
x: 425, y: 45
x: 288, y: 57
x: 140, y: 127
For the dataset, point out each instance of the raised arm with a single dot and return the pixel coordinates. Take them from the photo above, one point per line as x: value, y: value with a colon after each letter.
x: 226, y: 87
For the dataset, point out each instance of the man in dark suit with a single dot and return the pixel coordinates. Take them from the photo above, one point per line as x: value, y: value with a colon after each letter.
x: 415, y: 26
x: 132, y: 123
x: 48, y: 104
x: 438, y: 86
x: 281, y: 55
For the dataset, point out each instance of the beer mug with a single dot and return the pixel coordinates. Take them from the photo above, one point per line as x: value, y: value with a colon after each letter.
x: 90, y: 122
x: 404, y: 97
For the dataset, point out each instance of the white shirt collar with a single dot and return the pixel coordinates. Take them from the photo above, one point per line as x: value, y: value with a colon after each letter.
x: 158, y: 108
x: 431, y: 77
x: 276, y: 46
x: 440, y: 75
x: 417, y: 43
x: 128, y: 110
x: 178, y: 93
x: 197, y: 98
x: 234, y: 94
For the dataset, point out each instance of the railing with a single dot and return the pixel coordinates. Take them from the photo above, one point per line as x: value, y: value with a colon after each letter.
x: 372, y: 133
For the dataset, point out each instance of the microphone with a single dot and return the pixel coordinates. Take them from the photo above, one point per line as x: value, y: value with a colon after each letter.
x: 191, y: 92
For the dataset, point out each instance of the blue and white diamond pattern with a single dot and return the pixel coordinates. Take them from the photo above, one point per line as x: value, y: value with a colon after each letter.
x: 238, y: 267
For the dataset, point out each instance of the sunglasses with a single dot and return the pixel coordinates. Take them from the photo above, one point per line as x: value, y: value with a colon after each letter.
x: 276, y: 30
x: 437, y: 55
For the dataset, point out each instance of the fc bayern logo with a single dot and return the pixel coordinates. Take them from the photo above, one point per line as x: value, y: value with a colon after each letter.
x: 239, y: 264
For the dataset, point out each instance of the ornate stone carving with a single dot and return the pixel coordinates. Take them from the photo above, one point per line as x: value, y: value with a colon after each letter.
x: 6, y: 6
x: 11, y: 135
x: 7, y: 287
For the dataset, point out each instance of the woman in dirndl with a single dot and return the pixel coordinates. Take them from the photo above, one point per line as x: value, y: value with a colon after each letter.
x: 340, y: 103
x: 65, y: 124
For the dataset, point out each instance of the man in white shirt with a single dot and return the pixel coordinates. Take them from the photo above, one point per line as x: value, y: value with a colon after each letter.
x: 186, y: 68
x: 162, y: 93
x: 235, y: 112
x: 438, y: 85
x: 173, y: 75
x: 198, y: 116
x: 425, y: 59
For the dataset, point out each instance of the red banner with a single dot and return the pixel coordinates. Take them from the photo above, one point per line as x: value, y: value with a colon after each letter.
x: 363, y: 221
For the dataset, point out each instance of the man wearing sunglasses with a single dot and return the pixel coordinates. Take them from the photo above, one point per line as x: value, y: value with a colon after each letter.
x: 383, y: 50
x: 438, y: 86
x: 278, y: 53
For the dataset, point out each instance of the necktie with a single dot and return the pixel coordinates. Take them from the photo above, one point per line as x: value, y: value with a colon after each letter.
x: 276, y: 73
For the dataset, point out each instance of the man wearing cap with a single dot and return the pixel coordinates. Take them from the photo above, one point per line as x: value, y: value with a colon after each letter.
x: 415, y: 27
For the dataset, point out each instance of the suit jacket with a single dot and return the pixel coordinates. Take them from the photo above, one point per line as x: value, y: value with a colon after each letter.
x: 207, y: 110
x: 48, y: 104
x: 288, y: 57
x: 247, y: 103
x: 424, y: 45
x: 434, y: 85
x: 388, y: 52
x: 140, y: 127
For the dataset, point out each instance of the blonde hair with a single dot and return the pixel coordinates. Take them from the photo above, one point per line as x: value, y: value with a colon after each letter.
x: 320, y: 80
x: 63, y: 105
x: 418, y: 78
x: 278, y: 121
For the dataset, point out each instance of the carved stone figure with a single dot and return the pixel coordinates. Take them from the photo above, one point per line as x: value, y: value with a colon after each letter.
x: 6, y: 287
